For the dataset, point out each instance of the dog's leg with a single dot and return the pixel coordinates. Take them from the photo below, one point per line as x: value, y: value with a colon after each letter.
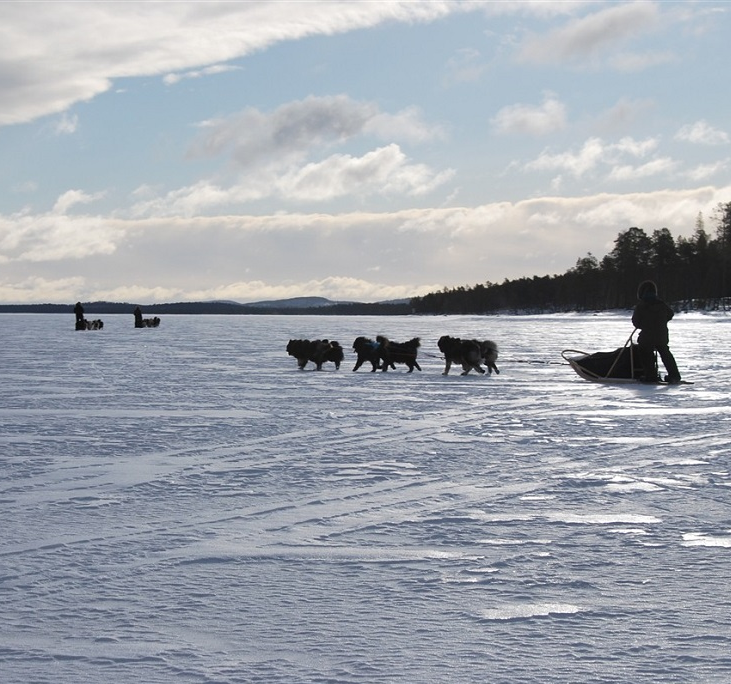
x: 447, y: 366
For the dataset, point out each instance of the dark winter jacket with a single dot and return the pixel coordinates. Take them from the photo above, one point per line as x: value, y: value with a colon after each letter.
x: 651, y: 316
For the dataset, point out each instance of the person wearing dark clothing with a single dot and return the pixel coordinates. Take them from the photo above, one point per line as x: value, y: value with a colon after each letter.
x: 80, y: 321
x: 138, y: 317
x: 651, y: 316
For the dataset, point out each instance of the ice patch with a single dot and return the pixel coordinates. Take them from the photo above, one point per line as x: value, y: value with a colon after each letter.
x: 527, y: 611
x: 606, y: 519
x: 632, y: 486
x: 515, y: 542
x: 699, y: 539
x: 630, y: 530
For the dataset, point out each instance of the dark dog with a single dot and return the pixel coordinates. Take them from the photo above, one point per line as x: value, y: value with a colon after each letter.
x: 84, y: 324
x: 317, y: 351
x: 468, y: 353
x: 147, y: 322
x: 367, y: 350
x: 399, y: 352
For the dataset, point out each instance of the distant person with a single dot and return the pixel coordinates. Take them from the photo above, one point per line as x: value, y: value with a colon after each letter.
x: 651, y: 316
x: 138, y: 317
x: 80, y: 321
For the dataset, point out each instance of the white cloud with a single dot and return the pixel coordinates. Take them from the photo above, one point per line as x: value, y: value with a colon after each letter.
x: 205, y: 257
x: 73, y: 51
x: 278, y: 154
x: 596, y: 154
x: 466, y: 66
x: 382, y: 171
x: 35, y: 290
x: 173, y: 79
x: 407, y: 125
x: 332, y: 287
x: 655, y: 167
x: 57, y: 235
x: 634, y: 61
x: 589, y: 37
x: 525, y: 119
x: 385, y: 171
x: 66, y: 124
x: 702, y: 133
x: 72, y: 197
x: 704, y: 172
x: 292, y: 130
x: 624, y: 114
x: 591, y: 154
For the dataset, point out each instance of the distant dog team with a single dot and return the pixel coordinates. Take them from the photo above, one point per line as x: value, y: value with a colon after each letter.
x: 383, y: 354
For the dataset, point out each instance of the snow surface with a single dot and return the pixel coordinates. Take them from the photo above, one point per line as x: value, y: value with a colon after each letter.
x: 182, y: 504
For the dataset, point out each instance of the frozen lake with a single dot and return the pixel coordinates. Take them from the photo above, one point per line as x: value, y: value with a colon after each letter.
x: 182, y: 504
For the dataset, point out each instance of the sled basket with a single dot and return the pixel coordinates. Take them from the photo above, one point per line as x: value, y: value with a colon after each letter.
x: 619, y: 365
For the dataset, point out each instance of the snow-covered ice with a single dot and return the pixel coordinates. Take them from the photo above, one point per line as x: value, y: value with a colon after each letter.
x: 182, y: 504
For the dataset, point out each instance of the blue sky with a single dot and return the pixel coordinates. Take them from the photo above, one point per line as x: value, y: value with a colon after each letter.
x: 171, y: 151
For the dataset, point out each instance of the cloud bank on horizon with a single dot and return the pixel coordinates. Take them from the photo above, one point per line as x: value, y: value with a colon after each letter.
x: 156, y: 151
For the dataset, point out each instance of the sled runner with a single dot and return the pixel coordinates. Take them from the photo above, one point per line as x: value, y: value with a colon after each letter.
x: 617, y: 366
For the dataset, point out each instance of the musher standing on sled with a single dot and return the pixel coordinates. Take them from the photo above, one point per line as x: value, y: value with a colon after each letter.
x: 651, y: 316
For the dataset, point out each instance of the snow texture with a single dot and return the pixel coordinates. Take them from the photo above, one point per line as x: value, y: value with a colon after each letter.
x: 182, y: 504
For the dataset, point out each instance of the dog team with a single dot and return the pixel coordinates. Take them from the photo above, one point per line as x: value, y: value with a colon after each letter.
x: 383, y: 354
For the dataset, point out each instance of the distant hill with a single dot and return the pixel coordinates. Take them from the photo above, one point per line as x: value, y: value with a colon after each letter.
x: 295, y: 305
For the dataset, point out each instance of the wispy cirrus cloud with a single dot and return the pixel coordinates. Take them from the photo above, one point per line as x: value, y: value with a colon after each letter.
x: 101, y: 42
x: 214, y: 69
x: 591, y: 37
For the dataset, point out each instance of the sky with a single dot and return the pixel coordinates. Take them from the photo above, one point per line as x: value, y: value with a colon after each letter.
x: 177, y: 151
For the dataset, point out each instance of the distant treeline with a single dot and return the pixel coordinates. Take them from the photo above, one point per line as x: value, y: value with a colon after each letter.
x: 334, y: 309
x: 692, y: 273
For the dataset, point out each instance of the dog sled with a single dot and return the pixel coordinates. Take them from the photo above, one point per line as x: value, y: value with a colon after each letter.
x: 617, y: 366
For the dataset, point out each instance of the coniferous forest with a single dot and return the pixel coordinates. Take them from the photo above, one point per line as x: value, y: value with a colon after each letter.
x: 691, y: 273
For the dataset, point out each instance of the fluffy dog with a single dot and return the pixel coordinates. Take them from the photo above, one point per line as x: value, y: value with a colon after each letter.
x: 317, y: 351
x: 367, y: 350
x: 466, y: 353
x: 84, y: 324
x: 489, y: 355
x: 469, y: 354
x: 399, y: 352
x: 147, y: 322
x: 334, y: 353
